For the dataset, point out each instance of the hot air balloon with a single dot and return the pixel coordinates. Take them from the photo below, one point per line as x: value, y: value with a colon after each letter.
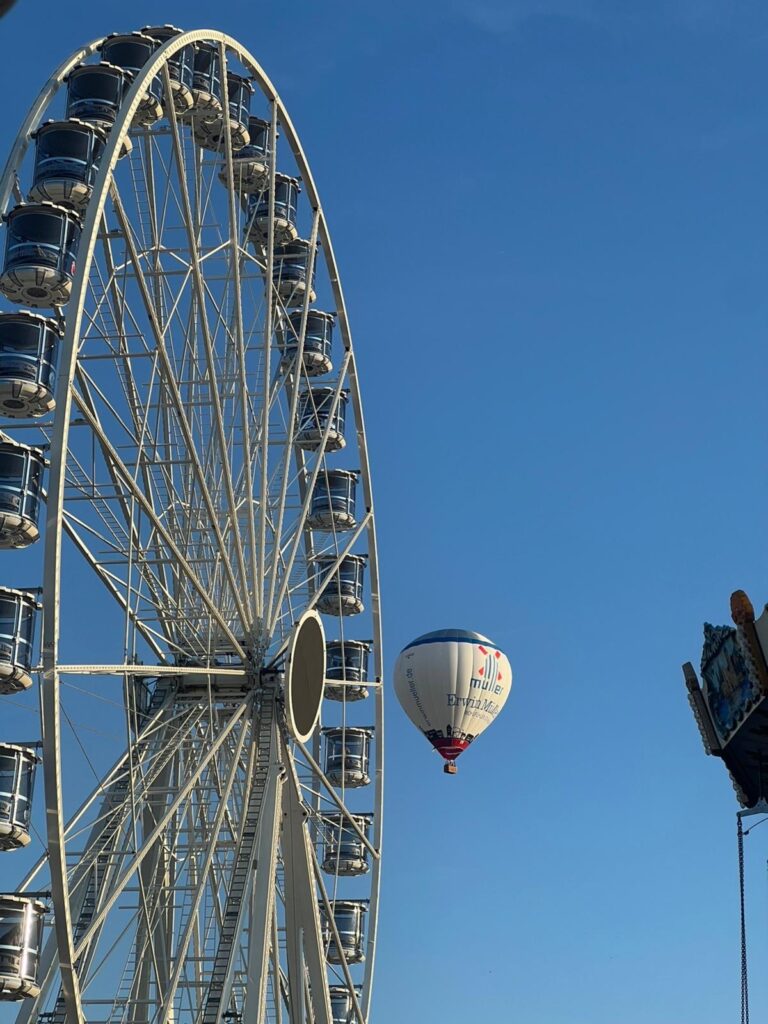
x: 452, y: 684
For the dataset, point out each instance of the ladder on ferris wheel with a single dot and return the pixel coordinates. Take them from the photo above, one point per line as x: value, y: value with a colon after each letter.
x: 223, y: 966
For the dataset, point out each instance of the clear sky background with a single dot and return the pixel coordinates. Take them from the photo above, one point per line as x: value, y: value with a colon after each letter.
x: 550, y: 218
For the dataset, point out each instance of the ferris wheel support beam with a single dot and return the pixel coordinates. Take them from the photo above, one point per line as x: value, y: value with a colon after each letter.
x: 277, y: 974
x: 204, y: 873
x: 259, y: 826
x: 337, y: 938
x: 303, y: 932
x: 263, y: 893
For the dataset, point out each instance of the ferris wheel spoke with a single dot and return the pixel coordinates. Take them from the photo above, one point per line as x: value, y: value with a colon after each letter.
x: 199, y: 290
x: 269, y: 311
x: 330, y: 790
x: 131, y: 392
x: 178, y: 801
x: 83, y: 885
x: 276, y: 387
x: 109, y: 313
x: 82, y: 810
x: 108, y: 582
x: 154, y: 937
x: 167, y: 199
x: 293, y: 403
x: 170, y: 383
x: 340, y: 554
x: 143, y: 234
x: 328, y: 904
x: 158, y: 586
x: 119, y: 307
x: 146, y: 158
x: 301, y: 909
x: 300, y: 528
x: 161, y: 529
x: 154, y: 478
x: 153, y: 875
x: 283, y: 613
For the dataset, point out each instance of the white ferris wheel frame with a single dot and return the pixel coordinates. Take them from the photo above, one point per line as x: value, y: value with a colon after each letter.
x: 55, y: 524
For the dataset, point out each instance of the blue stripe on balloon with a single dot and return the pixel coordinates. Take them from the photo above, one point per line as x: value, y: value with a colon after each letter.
x: 449, y: 639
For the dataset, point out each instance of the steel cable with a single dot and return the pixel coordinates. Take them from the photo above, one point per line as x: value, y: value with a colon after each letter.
x: 744, y: 970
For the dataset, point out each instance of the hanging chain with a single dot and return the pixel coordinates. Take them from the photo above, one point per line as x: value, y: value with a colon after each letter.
x: 744, y: 972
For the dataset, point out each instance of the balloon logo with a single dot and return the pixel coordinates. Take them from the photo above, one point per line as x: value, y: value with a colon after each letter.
x: 452, y: 684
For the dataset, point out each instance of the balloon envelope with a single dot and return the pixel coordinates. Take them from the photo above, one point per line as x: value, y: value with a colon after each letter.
x: 452, y: 684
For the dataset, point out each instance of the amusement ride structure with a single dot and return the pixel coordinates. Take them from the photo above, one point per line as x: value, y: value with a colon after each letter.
x: 183, y: 454
x: 730, y: 705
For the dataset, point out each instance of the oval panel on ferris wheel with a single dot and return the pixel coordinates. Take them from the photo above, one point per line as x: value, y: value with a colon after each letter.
x: 194, y: 512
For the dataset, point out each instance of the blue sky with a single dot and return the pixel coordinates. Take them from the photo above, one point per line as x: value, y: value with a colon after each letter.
x: 550, y: 220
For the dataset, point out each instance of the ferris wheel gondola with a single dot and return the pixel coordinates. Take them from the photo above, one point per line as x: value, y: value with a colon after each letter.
x: 186, y: 432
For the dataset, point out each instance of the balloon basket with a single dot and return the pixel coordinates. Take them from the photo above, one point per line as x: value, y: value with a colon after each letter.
x: 450, y: 768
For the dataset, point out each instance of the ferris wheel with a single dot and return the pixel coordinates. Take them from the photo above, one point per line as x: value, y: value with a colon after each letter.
x: 183, y: 460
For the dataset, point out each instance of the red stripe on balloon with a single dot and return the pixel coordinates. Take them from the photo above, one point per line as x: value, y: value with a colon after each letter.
x: 449, y: 746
